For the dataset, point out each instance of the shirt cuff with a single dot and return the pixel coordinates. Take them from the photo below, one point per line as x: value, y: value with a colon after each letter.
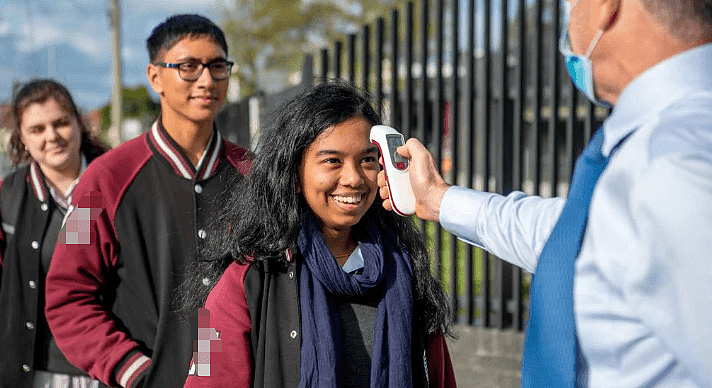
x: 458, y: 212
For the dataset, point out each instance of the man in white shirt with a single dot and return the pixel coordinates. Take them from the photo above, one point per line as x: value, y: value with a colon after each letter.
x: 642, y: 283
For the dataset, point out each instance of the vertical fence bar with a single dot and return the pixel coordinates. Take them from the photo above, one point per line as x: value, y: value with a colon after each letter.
x: 590, y: 125
x: 308, y: 70
x: 555, y: 130
x: 324, y: 69
x: 423, y: 91
x: 352, y: 58
x: 485, y: 141
x: 365, y: 56
x: 424, y: 101
x: 578, y: 132
x: 407, y: 118
x: 537, y: 102
x: 572, y: 134
x: 379, y: 66
x: 454, y: 145
x: 471, y: 154
x: 538, y: 84
x: 437, y: 131
x: 518, y: 146
x: 395, y: 100
x: 505, y: 155
x: 338, y: 47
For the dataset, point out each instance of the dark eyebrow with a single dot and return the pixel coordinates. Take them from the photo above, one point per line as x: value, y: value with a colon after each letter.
x: 327, y: 152
x: 368, y: 150
x: 193, y: 59
x: 65, y: 117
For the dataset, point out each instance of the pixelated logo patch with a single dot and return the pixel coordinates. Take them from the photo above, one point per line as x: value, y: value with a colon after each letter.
x: 77, y: 222
x: 207, y: 349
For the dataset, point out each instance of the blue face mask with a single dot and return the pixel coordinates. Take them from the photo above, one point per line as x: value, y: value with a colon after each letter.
x: 579, y: 66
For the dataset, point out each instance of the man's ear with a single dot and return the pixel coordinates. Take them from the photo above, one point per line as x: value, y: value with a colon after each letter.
x: 154, y: 78
x: 608, y: 13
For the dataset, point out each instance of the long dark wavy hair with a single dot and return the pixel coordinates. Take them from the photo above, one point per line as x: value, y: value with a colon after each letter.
x: 38, y: 92
x: 260, y: 215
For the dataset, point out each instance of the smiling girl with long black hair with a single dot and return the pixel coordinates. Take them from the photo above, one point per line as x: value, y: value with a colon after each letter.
x: 311, y: 283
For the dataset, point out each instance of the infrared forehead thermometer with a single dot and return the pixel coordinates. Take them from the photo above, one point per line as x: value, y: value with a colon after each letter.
x: 400, y: 193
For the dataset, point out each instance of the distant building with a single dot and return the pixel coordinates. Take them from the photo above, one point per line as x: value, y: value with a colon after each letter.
x: 93, y: 120
x: 5, y: 119
x: 5, y: 131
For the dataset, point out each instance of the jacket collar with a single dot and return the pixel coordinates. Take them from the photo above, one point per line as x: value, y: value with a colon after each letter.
x: 37, y: 181
x: 176, y: 158
x: 43, y: 190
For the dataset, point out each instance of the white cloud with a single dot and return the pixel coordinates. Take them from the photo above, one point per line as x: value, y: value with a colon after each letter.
x: 88, y: 100
x: 44, y: 32
x: 175, y: 6
x: 32, y: 26
x: 128, y: 53
x: 7, y: 76
x: 89, y: 45
x: 5, y: 28
x: 31, y: 39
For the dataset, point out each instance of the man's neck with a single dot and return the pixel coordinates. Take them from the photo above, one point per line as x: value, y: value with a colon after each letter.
x: 190, y: 136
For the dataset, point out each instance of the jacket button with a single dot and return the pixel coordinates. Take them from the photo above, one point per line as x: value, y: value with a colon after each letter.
x: 291, y: 274
x: 202, y: 234
x: 293, y: 334
x: 206, y: 282
x: 25, y: 367
x: 32, y: 284
x: 198, y: 189
x: 29, y: 325
x: 44, y: 207
x: 35, y: 245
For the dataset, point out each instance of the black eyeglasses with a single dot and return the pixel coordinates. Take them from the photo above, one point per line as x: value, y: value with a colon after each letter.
x: 191, y: 71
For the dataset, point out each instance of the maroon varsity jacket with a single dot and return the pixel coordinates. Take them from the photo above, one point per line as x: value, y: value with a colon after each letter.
x: 139, y: 214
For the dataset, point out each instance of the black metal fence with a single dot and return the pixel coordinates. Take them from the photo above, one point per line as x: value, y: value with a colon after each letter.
x: 482, y: 84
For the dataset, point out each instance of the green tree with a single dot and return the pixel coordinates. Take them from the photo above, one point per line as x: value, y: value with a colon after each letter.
x: 268, y: 35
x: 137, y: 104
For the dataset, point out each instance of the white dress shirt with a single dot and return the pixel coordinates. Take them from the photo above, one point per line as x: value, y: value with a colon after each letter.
x: 65, y: 199
x: 355, y: 261
x: 643, y: 278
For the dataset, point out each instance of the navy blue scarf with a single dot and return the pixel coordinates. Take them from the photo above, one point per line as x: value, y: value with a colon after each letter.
x: 321, y: 280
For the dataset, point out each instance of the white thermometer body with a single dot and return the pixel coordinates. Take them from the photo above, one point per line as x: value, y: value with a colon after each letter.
x: 400, y: 192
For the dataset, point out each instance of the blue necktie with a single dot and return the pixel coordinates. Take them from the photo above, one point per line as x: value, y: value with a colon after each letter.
x: 551, y: 348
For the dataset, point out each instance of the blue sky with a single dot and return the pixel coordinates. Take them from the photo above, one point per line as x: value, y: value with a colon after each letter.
x: 70, y: 40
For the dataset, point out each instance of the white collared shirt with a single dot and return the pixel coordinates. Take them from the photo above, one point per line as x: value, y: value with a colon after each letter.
x: 643, y: 278
x: 65, y: 200
x: 355, y: 261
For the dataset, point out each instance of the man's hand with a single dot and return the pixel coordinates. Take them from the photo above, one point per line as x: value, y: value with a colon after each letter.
x: 428, y: 186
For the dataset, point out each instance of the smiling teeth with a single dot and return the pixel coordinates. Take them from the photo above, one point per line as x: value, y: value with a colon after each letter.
x: 350, y: 200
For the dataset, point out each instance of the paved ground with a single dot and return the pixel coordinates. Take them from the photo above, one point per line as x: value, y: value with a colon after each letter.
x: 486, y: 358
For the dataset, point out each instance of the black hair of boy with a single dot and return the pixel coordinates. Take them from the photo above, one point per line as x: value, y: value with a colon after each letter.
x: 167, y: 34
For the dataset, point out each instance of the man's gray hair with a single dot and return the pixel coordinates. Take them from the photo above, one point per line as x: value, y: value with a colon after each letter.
x: 689, y: 20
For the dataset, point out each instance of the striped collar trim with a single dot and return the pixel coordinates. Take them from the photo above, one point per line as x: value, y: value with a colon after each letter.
x: 65, y: 200
x: 171, y: 152
x: 43, y: 189
x: 37, y: 180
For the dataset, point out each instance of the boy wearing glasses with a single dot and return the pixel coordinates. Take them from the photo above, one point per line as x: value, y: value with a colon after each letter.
x: 139, y: 215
